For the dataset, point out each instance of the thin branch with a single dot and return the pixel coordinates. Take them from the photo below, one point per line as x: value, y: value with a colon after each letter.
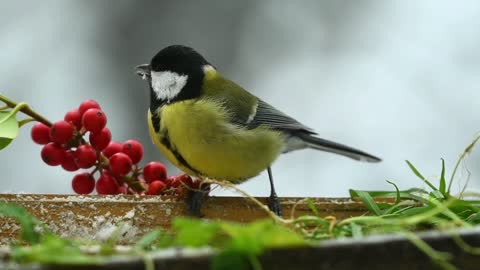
x: 24, y: 108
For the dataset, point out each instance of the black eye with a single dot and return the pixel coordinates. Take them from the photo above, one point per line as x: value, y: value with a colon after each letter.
x: 143, y: 70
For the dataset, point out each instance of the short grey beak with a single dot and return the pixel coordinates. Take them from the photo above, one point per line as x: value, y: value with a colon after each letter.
x: 143, y: 71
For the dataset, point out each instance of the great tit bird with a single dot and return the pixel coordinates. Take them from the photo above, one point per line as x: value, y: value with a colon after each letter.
x: 208, y: 126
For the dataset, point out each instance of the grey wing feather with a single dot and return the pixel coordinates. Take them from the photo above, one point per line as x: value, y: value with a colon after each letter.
x: 266, y: 114
x: 302, y: 136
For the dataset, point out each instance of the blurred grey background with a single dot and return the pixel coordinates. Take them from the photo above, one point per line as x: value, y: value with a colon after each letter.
x: 399, y: 79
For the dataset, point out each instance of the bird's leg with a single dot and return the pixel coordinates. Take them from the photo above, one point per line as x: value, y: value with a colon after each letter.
x: 195, y: 200
x: 273, y: 202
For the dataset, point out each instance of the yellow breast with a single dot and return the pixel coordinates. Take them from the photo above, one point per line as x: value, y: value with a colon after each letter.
x: 196, y: 137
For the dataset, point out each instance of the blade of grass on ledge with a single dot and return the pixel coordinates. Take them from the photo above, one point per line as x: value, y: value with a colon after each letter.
x: 419, y: 175
x: 405, y: 194
x: 443, y: 182
x: 368, y: 201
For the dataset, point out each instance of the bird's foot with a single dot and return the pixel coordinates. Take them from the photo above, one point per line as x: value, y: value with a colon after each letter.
x: 195, y: 200
x: 274, y: 205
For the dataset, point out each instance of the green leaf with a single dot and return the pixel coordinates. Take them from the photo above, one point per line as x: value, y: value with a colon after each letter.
x: 255, y: 237
x: 356, y: 230
x: 26, y: 220
x: 148, y: 239
x: 194, y: 232
x: 4, y: 142
x: 8, y: 128
x: 419, y: 175
x: 53, y: 250
x: 8, y: 125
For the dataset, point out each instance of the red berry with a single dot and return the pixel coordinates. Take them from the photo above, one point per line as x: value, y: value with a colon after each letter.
x: 112, y: 148
x: 101, y: 139
x: 61, y: 132
x: 106, y: 185
x: 74, y: 117
x: 156, y: 187
x: 186, y: 180
x: 122, y: 190
x: 52, y: 154
x: 134, y: 150
x: 154, y: 171
x: 120, y: 164
x: 83, y: 183
x: 169, y: 181
x: 85, y: 156
x: 68, y: 162
x: 86, y: 105
x: 175, y: 182
x: 40, y: 133
x: 94, y: 120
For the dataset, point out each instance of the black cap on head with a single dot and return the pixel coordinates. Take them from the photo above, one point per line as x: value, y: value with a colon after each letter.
x: 178, y: 58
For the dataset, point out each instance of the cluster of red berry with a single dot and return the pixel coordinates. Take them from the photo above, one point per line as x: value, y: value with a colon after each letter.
x: 115, y: 163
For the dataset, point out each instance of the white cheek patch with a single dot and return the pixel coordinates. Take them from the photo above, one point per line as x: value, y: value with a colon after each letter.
x: 167, y: 85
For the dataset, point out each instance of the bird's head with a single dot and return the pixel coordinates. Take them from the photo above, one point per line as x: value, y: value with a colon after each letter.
x: 175, y: 73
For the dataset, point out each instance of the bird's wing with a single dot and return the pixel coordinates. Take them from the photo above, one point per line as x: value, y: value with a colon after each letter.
x: 236, y: 100
x: 246, y: 110
x: 265, y: 114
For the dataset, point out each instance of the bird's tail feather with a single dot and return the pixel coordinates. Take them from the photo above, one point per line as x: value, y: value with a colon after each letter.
x: 336, y: 148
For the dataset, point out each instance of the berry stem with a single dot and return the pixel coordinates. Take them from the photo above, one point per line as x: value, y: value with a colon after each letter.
x: 136, y: 171
x: 25, y: 121
x: 96, y: 169
x: 24, y: 108
x: 103, y: 159
x: 135, y: 185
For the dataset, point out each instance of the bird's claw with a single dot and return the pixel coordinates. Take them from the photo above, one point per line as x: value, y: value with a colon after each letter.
x: 274, y: 205
x: 195, y: 200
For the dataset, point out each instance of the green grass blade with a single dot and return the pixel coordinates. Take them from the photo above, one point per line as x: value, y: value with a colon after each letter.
x: 27, y: 221
x: 389, y: 194
x: 397, y: 191
x: 312, y: 206
x: 356, y: 230
x: 369, y: 202
x: 439, y: 257
x: 419, y: 175
x: 147, y: 240
x: 405, y: 194
x: 312, y: 221
x: 459, y: 161
x: 437, y: 195
x: 415, y: 211
x: 443, y: 182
